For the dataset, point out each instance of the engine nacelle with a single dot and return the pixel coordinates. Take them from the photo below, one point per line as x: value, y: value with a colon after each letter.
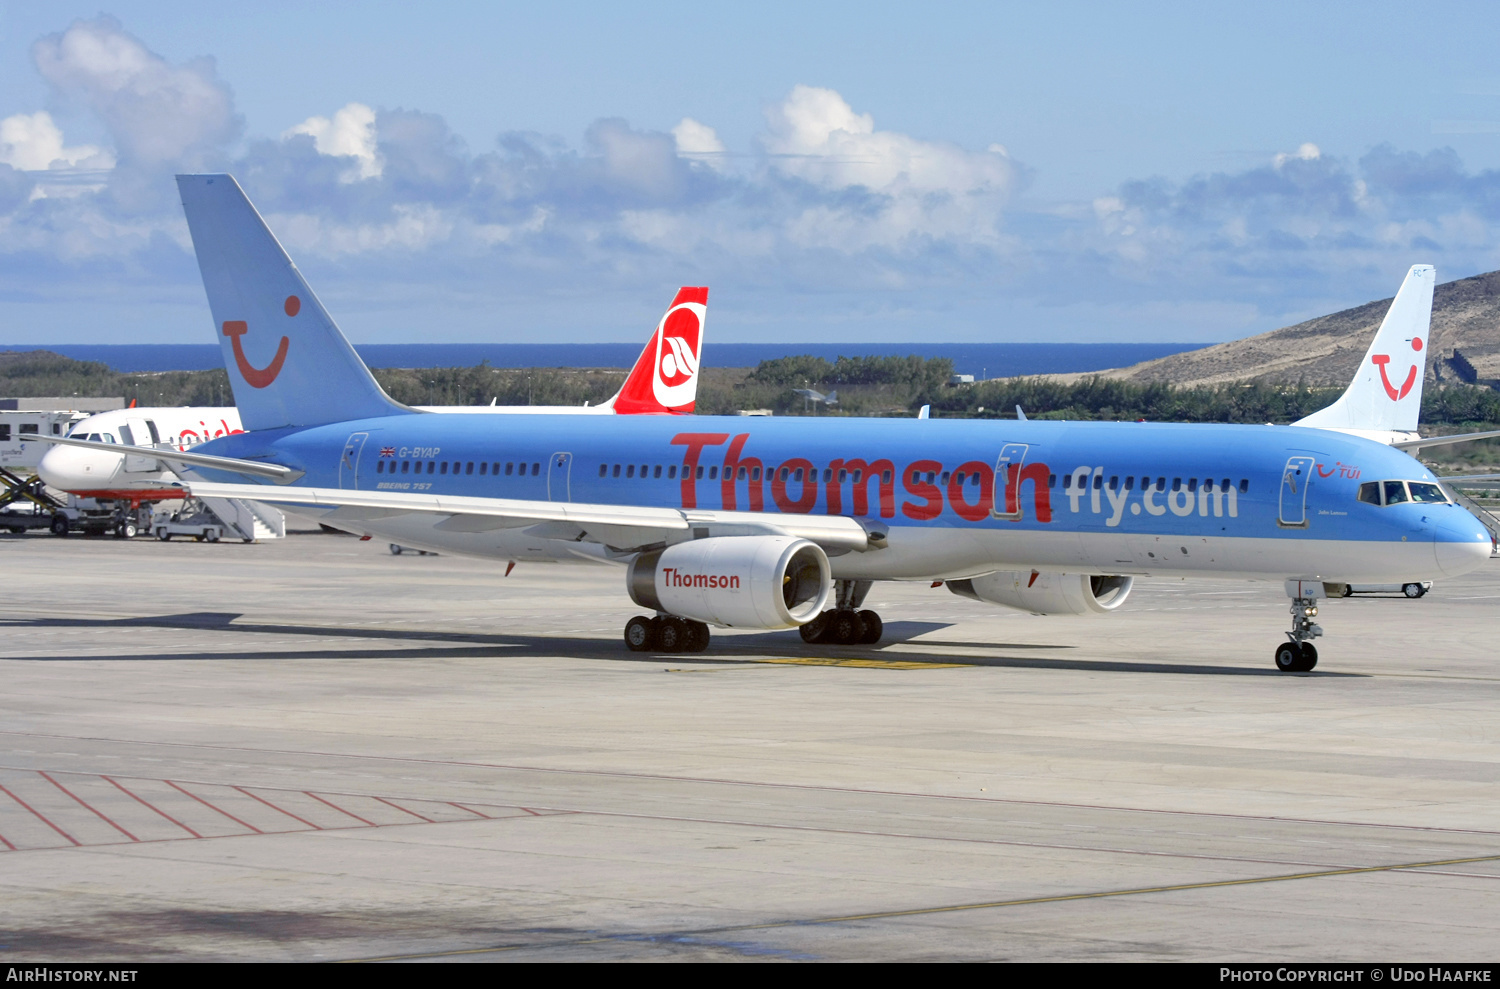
x: 1047, y: 593
x: 735, y: 581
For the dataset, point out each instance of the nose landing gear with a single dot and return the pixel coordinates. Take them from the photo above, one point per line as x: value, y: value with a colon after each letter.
x: 1299, y: 655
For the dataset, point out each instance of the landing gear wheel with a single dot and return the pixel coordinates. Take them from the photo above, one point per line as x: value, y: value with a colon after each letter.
x: 59, y: 525
x: 1348, y: 591
x: 874, y: 628
x: 395, y: 550
x: 846, y: 628
x: 1413, y: 590
x: 1293, y: 657
x: 640, y: 634
x: 813, y: 631
x: 698, y: 637
x: 1288, y: 657
x: 673, y: 635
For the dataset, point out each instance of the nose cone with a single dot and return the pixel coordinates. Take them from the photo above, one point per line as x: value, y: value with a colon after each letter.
x: 1462, y: 545
x: 68, y: 468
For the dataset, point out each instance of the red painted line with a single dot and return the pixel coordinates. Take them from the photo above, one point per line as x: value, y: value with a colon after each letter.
x: 471, y: 810
x: 533, y: 813
x: 86, y: 804
x: 155, y: 808
x: 243, y: 824
x: 400, y: 808
x: 49, y: 824
x: 7, y: 844
x: 282, y: 809
x: 339, y: 809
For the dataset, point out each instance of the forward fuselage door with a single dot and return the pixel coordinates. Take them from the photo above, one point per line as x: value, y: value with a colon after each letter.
x: 1295, y: 479
x: 559, y: 468
x: 140, y: 432
x: 1008, y: 481
x: 349, y: 460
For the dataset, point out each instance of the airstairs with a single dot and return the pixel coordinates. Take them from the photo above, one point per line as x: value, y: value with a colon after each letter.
x: 249, y: 521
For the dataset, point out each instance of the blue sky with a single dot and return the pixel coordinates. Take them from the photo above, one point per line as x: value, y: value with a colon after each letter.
x: 834, y: 172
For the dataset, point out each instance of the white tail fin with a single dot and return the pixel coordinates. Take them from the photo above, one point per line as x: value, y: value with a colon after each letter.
x: 1386, y: 393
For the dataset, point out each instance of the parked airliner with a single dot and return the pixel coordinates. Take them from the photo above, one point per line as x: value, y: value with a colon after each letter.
x: 759, y: 522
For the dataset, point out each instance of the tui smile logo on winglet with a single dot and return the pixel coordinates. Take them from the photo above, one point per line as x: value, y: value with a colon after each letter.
x: 259, y: 377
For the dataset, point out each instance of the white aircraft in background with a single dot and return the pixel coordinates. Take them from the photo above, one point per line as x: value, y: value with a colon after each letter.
x: 663, y: 381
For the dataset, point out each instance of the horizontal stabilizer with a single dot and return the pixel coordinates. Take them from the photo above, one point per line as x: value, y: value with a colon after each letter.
x: 255, y: 468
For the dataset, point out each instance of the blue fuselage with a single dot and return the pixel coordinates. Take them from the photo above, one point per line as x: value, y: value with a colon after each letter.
x: 958, y: 496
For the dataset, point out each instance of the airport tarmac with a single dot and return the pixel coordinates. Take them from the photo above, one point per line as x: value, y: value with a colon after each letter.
x: 312, y: 750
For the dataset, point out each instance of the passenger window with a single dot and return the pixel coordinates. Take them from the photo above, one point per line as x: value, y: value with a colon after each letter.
x: 931, y: 476
x: 656, y: 471
x: 699, y: 474
x: 755, y: 473
x: 380, y: 466
x: 603, y: 469
x: 536, y: 469
x: 630, y: 470
x: 1176, y: 484
x: 671, y: 471
x: 1193, y: 484
x: 508, y: 467
x: 405, y: 466
x: 1098, y: 481
x: 1244, y: 485
x: 1052, y: 480
x: 445, y: 467
x: 5, y: 433
x: 1395, y: 492
x: 431, y: 466
x: 797, y: 476
x: 1369, y: 492
x: 843, y: 476
x: 1426, y: 493
x: 1130, y: 483
x: 740, y: 475
x: 28, y: 427
x: 1067, y: 481
x: 469, y: 467
x: 959, y: 477
x: 785, y: 473
x: 713, y: 473
x: 1114, y: 482
x: 945, y: 478
x: 1161, y: 484
x: 617, y: 470
x: 974, y: 480
x: 483, y: 467
x: 828, y: 474
x: 495, y: 469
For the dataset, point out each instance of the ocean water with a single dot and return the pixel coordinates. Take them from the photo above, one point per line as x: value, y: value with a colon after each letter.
x: 983, y: 360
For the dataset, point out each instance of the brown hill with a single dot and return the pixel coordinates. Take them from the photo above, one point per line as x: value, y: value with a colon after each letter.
x: 1325, y: 351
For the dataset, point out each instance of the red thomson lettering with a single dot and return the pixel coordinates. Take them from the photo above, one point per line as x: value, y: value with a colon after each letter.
x: 695, y: 442
x: 881, y: 471
x: 931, y: 493
x: 977, y: 511
x: 1041, y: 495
x: 809, y: 496
x: 752, y: 466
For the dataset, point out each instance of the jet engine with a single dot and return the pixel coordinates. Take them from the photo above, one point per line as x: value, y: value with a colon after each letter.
x: 734, y: 581
x: 1047, y: 593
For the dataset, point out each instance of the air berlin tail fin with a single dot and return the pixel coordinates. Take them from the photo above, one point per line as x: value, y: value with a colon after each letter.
x: 665, y: 378
x: 288, y: 362
x: 1386, y: 393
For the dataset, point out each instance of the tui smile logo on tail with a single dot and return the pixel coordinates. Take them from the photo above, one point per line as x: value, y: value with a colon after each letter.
x: 1381, y: 360
x: 261, y: 377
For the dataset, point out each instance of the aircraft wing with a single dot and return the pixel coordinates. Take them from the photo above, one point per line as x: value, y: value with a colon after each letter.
x: 1412, y: 446
x: 1469, y: 477
x: 256, y: 468
x: 623, y: 528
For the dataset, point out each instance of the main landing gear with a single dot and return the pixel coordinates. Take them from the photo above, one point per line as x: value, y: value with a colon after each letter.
x: 1299, y: 655
x: 665, y: 633
x: 845, y: 625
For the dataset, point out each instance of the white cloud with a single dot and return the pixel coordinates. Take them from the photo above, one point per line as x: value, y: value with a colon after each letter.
x: 694, y: 138
x: 1307, y: 152
x: 33, y: 142
x: 815, y: 135
x: 156, y: 113
x: 350, y: 134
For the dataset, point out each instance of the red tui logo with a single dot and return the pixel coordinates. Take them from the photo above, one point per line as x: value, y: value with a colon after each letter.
x: 1381, y: 360
x: 259, y: 377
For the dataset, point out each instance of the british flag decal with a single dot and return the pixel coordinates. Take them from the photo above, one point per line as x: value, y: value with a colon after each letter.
x: 387, y: 451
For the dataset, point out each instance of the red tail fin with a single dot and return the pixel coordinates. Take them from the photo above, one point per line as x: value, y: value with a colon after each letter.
x: 665, y: 378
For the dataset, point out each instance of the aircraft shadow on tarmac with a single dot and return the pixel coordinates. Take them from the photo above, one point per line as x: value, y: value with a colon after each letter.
x: 739, y: 651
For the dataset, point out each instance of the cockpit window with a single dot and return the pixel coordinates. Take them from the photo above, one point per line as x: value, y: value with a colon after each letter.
x: 1425, y: 493
x: 1395, y: 492
x: 1369, y: 492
